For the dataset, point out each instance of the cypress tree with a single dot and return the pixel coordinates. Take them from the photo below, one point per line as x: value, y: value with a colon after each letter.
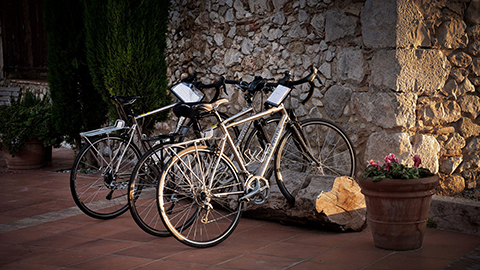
x: 76, y: 105
x: 126, y: 43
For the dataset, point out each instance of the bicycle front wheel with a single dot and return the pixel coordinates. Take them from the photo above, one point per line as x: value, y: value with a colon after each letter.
x: 328, y: 153
x: 199, y: 197
x: 142, y: 190
x: 100, y: 175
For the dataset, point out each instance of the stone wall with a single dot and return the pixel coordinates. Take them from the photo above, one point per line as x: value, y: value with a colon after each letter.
x: 39, y: 88
x: 400, y: 76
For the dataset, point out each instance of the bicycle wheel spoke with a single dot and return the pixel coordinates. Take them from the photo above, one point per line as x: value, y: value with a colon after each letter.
x: 98, y: 188
x: 328, y: 153
x: 142, y: 193
x: 188, y: 201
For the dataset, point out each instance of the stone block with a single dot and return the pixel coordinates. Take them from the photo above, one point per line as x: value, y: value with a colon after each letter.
x: 449, y: 164
x: 386, y: 110
x: 455, y: 142
x: 379, y: 20
x: 455, y: 214
x: 468, y: 128
x: 380, y: 144
x: 470, y: 104
x: 384, y: 69
x: 351, y: 65
x: 473, y: 145
x: 472, y: 14
x: 339, y: 25
x: 344, y: 204
x: 393, y: 24
x: 335, y: 100
x: 460, y: 59
x: 452, y: 34
x: 405, y: 70
x: 435, y: 112
x: 451, y: 184
x: 422, y: 71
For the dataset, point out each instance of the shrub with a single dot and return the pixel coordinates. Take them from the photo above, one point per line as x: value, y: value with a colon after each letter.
x: 77, y: 106
x: 126, y: 43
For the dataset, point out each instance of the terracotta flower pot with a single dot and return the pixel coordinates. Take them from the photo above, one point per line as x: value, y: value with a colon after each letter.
x: 397, y: 210
x: 30, y: 157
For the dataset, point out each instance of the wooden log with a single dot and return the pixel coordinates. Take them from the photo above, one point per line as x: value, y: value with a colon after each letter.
x: 344, y: 204
x: 334, y: 203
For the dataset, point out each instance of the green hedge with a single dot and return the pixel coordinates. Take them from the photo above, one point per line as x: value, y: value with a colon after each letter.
x: 126, y: 44
x: 76, y: 105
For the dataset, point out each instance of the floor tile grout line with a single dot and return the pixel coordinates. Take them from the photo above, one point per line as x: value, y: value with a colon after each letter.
x: 39, y: 219
x: 384, y: 257
x: 208, y: 266
x: 260, y: 248
x: 52, y: 250
x: 337, y: 246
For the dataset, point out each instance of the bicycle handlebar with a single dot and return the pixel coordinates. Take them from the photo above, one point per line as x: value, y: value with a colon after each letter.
x: 198, y: 84
x: 190, y: 79
x: 258, y: 83
x: 309, y: 78
x: 216, y: 85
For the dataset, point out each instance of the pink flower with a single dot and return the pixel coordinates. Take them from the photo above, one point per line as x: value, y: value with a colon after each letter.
x: 374, y: 164
x: 417, y: 161
x: 388, y: 164
x: 391, y: 157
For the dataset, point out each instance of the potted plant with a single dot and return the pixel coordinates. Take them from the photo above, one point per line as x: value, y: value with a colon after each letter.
x: 26, y: 131
x: 398, y: 200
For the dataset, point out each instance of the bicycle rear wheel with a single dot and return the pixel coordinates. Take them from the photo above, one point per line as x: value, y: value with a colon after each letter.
x: 196, y: 213
x: 100, y: 175
x: 333, y: 156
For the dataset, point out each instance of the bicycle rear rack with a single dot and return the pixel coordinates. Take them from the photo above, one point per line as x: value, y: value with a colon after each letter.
x: 119, y: 125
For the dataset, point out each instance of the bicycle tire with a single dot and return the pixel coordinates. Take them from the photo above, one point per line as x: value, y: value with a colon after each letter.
x: 96, y: 188
x: 142, y: 194
x: 329, y: 144
x: 195, y: 216
x: 141, y: 198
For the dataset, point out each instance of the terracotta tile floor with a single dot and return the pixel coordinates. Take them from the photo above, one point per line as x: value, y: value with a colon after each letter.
x: 41, y: 228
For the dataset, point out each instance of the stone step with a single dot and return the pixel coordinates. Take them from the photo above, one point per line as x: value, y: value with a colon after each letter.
x: 456, y: 214
x: 7, y: 93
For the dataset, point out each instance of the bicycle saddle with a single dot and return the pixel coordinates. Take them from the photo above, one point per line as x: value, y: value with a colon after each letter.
x: 206, y: 107
x: 192, y: 110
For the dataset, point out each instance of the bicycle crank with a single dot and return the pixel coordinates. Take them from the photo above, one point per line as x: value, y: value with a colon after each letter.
x: 257, y: 189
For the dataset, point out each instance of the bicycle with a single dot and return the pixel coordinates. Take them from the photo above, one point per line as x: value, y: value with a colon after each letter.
x: 101, y: 170
x: 142, y: 186
x: 201, y: 193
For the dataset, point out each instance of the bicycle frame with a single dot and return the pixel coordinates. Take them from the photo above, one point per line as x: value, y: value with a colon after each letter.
x: 227, y: 139
x: 129, y: 131
x: 268, y: 153
x: 285, y: 121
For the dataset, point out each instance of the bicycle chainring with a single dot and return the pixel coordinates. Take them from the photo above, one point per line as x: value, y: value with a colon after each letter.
x: 257, y: 189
